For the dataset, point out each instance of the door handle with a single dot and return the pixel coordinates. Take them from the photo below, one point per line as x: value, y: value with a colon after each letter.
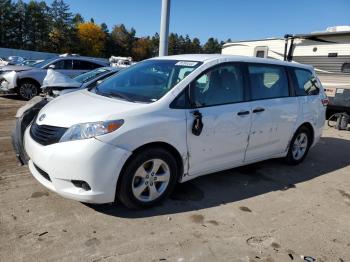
x: 243, y: 113
x: 258, y: 110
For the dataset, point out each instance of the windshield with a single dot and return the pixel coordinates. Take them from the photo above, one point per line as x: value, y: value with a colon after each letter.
x: 147, y: 81
x: 43, y: 63
x: 83, y: 78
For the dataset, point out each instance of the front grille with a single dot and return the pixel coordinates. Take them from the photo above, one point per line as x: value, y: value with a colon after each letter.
x: 42, y: 173
x: 46, y: 135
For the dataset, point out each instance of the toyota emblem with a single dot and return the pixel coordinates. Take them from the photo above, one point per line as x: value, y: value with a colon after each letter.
x: 41, y: 118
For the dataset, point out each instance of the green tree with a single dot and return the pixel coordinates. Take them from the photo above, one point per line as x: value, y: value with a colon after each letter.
x: 196, y: 46
x: 77, y: 19
x: 155, y: 44
x: 104, y: 28
x: 37, y: 26
x: 181, y: 45
x: 174, y: 47
x: 109, y: 47
x: 191, y: 46
x: 17, y: 33
x: 6, y: 24
x: 212, y: 46
x: 142, y: 49
x: 62, y: 26
x: 123, y: 40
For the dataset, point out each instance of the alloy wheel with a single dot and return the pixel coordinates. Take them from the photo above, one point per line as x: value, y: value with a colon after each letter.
x: 28, y: 91
x: 151, y: 180
x: 300, y: 146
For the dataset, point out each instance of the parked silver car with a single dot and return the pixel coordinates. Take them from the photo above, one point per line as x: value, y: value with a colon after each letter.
x: 26, y: 81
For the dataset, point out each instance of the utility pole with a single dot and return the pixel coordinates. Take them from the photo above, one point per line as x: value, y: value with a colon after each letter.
x: 164, y: 28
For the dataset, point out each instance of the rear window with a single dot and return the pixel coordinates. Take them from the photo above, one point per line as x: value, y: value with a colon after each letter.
x: 65, y: 64
x: 306, y: 83
x: 268, y: 81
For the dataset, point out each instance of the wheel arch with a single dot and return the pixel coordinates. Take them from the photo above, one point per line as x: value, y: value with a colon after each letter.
x: 21, y: 80
x: 309, y: 126
x: 179, y: 160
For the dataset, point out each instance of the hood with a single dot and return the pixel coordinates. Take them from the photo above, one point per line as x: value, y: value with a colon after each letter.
x: 84, y: 106
x: 16, y: 68
x: 58, y: 81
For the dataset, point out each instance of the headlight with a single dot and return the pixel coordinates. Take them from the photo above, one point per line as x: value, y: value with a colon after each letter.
x: 88, y: 130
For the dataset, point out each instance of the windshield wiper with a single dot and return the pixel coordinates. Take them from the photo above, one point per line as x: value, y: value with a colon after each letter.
x: 119, y: 95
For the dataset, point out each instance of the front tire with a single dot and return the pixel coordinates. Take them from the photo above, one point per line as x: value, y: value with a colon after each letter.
x: 28, y: 89
x: 299, y: 146
x: 148, y: 177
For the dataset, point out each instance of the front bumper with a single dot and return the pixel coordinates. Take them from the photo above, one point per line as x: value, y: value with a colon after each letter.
x: 24, y: 117
x: 5, y: 87
x: 8, y: 81
x: 90, y: 160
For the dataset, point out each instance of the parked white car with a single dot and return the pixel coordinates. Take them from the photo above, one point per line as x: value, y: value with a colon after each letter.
x: 171, y: 119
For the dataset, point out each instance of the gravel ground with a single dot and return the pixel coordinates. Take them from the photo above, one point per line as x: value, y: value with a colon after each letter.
x: 263, y: 212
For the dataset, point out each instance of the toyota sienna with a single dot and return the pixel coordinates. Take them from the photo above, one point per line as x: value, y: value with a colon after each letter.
x: 170, y: 119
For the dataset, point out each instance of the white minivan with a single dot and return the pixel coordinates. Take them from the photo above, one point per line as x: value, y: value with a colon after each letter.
x: 170, y: 119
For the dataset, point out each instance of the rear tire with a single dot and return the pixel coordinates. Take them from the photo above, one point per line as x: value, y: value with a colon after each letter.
x: 147, y: 178
x: 299, y: 146
x: 28, y: 89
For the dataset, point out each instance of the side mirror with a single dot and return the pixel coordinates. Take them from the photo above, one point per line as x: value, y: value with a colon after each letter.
x: 52, y: 66
x: 99, y: 82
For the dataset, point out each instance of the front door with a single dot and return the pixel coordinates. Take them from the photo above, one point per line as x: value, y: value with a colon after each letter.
x: 218, y: 99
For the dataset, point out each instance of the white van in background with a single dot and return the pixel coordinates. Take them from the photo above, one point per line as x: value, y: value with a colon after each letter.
x: 171, y: 119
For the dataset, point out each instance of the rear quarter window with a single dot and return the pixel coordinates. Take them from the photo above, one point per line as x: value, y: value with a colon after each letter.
x: 306, y: 83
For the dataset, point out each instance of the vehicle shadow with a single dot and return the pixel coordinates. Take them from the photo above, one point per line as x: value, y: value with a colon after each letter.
x: 244, y: 182
x: 11, y: 96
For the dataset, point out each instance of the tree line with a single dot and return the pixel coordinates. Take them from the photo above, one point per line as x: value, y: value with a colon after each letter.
x: 53, y: 28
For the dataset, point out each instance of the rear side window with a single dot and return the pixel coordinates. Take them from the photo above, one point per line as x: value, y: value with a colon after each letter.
x: 268, y: 81
x: 65, y: 64
x: 84, y: 65
x: 306, y: 83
